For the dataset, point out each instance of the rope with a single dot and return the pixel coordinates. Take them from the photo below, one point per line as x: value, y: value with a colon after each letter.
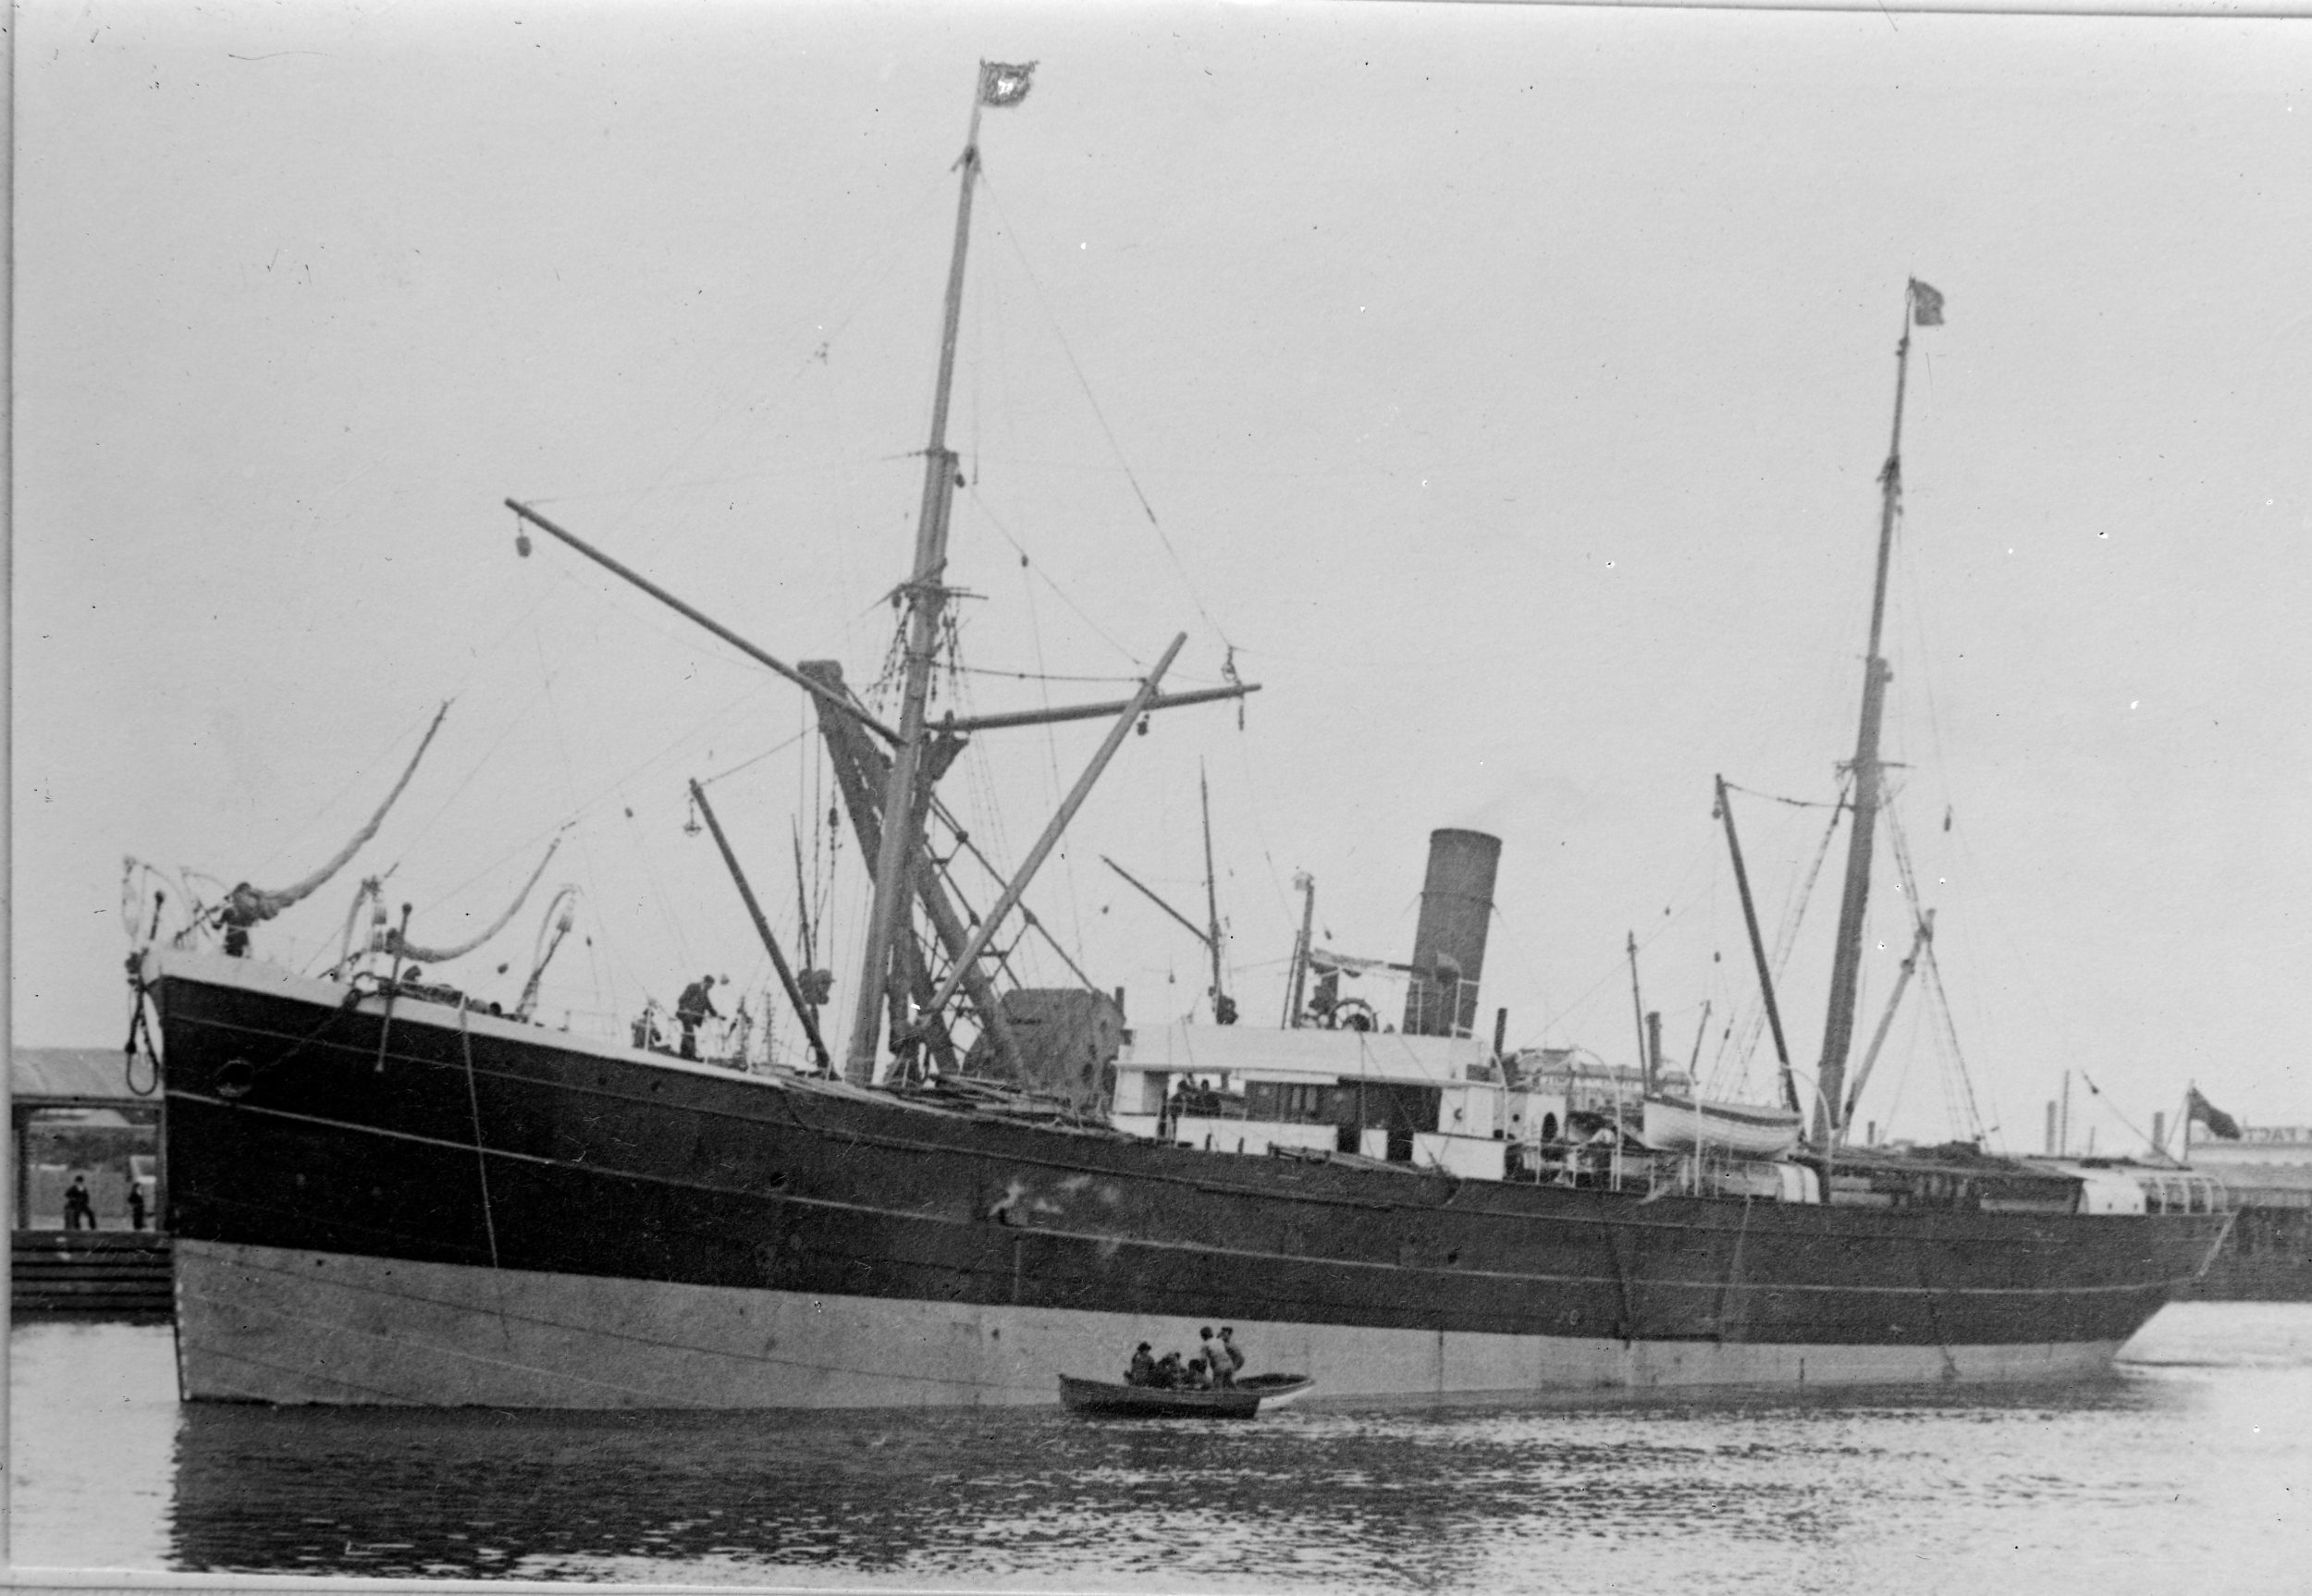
x: 2097, y: 1092
x: 474, y: 1106
x: 980, y: 501
x: 1163, y: 537
x: 1838, y: 803
x: 1974, y: 1122
x: 139, y: 1030
x: 758, y: 759
x: 1034, y: 676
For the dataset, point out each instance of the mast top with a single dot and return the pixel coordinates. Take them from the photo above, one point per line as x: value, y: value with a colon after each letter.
x: 1002, y: 83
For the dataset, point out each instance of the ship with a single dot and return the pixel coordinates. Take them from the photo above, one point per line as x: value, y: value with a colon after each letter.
x: 383, y: 1191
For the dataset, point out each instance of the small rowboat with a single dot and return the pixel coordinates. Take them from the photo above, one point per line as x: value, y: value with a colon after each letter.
x: 1240, y: 1401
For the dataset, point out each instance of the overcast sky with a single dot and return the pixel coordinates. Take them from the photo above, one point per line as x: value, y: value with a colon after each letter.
x: 1507, y: 387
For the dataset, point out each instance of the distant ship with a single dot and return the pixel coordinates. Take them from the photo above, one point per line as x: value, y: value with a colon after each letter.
x: 384, y: 1192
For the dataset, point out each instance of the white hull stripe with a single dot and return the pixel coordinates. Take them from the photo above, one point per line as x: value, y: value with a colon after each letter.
x: 264, y: 1324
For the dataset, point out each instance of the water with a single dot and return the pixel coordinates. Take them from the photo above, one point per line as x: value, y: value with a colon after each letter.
x: 2187, y: 1470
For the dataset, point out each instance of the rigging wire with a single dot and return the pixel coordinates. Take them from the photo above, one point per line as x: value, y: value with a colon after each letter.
x: 2096, y: 1092
x: 595, y: 947
x: 981, y: 503
x: 1012, y: 233
x: 1051, y: 736
x: 1279, y: 890
x: 1838, y: 803
x: 1964, y: 1113
x: 295, y: 839
x: 778, y: 747
x: 1044, y: 677
x: 544, y: 695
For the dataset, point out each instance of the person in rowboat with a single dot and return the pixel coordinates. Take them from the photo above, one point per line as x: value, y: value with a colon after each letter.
x: 1219, y: 1357
x: 1143, y: 1370
x: 1232, y: 1354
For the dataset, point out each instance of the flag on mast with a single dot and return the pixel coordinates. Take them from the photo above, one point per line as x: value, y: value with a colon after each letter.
x: 1926, y: 304
x: 1002, y: 83
x: 2215, y: 1118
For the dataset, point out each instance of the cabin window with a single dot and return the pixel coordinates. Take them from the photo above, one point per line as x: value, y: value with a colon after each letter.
x: 1291, y: 1102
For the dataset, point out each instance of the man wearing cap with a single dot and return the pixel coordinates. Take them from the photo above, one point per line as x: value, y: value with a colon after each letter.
x: 691, y: 1009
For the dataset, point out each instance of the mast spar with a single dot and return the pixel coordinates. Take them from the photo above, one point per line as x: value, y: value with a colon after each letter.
x: 1922, y: 306
x: 1758, y: 949
x: 927, y: 598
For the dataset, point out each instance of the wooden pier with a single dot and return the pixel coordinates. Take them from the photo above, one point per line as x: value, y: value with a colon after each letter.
x: 90, y: 1274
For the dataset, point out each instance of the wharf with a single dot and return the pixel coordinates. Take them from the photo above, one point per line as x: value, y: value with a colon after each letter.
x: 2267, y: 1256
x: 90, y: 1274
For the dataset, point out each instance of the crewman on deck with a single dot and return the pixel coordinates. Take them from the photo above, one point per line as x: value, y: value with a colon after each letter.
x: 692, y: 1009
x: 645, y: 1028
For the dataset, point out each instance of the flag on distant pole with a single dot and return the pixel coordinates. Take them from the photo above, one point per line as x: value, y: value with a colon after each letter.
x: 1926, y: 304
x: 2214, y: 1118
x: 1002, y: 83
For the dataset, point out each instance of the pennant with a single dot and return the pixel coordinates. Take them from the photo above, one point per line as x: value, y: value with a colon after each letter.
x: 1926, y: 304
x: 1004, y: 84
x: 2214, y: 1118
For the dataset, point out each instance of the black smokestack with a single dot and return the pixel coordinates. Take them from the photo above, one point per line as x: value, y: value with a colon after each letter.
x: 1457, y: 909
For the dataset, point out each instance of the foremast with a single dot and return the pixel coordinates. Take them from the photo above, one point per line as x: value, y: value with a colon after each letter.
x: 1922, y: 306
x: 881, y: 982
x: 894, y: 969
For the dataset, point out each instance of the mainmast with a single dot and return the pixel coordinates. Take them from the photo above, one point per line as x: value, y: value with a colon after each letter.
x: 1922, y: 306
x: 927, y: 598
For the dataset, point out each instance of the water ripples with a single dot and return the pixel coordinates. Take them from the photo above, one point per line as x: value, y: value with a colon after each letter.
x: 2186, y: 1460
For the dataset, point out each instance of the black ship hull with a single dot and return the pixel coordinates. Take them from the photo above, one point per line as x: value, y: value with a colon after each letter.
x: 434, y: 1207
